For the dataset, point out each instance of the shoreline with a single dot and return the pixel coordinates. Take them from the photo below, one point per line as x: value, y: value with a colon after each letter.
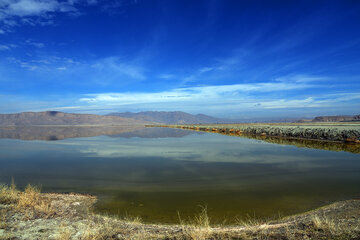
x: 329, y: 132
x: 34, y: 215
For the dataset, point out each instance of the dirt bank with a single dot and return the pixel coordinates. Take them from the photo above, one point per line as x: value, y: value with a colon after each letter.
x: 35, y: 215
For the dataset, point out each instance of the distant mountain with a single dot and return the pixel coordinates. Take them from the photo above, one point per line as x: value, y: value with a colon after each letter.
x: 60, y: 118
x: 336, y: 118
x: 171, y: 117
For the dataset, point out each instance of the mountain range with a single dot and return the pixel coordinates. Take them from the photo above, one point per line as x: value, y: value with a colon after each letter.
x: 336, y: 118
x: 55, y: 118
x: 66, y: 119
x: 176, y: 117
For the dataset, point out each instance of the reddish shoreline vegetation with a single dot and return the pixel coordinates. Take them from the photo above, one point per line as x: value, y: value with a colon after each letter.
x: 30, y: 214
x: 331, y: 132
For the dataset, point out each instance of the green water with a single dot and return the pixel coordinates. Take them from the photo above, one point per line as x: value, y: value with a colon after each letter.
x: 157, y: 173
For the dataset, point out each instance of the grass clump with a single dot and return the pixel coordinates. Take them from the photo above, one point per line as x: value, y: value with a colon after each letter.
x: 334, y: 230
x: 249, y: 221
x: 32, y: 204
x: 199, y: 227
x: 64, y: 234
x: 8, y: 194
x: 104, y: 229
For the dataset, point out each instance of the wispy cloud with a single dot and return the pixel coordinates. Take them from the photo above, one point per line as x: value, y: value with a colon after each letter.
x: 201, y: 93
x: 31, y: 42
x: 114, y: 64
x: 166, y: 76
x: 7, y: 47
x: 45, y: 63
x: 236, y: 100
x: 34, y: 12
x: 251, y: 98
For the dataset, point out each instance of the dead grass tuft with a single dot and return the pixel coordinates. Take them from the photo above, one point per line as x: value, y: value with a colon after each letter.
x: 202, y: 219
x: 99, y: 231
x: 64, y: 234
x: 249, y: 222
x: 336, y: 230
x: 132, y: 219
x: 3, y: 222
x: 198, y: 228
x: 33, y: 205
x: 8, y: 195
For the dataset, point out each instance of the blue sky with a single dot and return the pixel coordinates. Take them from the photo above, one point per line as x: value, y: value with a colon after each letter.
x: 237, y: 59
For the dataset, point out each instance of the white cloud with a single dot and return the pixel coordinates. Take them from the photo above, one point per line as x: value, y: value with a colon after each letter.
x: 166, y: 76
x: 34, y: 12
x: 195, y: 76
x: 114, y: 64
x: 46, y: 63
x: 31, y: 7
x: 301, y: 78
x: 35, y: 44
x: 4, y: 47
x: 203, y: 93
x: 252, y: 98
x: 297, y: 103
x: 205, y: 69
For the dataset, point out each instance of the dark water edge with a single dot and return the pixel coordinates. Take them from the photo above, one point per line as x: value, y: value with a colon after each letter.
x: 179, y: 171
x: 304, y: 143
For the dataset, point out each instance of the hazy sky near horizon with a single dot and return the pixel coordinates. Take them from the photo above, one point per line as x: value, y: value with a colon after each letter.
x: 238, y: 59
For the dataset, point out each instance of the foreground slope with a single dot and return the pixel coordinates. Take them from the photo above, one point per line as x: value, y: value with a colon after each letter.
x: 33, y: 215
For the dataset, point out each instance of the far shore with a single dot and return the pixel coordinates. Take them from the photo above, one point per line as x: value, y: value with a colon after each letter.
x: 346, y: 132
x: 34, y: 215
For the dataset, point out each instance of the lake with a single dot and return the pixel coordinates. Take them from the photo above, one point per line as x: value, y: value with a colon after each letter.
x: 160, y: 173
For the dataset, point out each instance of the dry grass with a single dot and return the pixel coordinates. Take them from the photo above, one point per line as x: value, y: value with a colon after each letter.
x: 132, y: 219
x: 324, y: 223
x: 8, y: 194
x: 198, y: 228
x: 330, y: 227
x: 248, y: 221
x: 3, y: 222
x: 202, y: 219
x: 33, y: 204
x: 64, y: 234
x: 105, y: 229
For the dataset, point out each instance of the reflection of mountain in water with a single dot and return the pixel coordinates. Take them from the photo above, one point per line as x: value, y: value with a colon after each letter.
x: 59, y: 133
x: 155, y: 133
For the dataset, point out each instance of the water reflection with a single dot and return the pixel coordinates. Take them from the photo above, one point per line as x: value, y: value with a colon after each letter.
x: 60, y: 133
x: 179, y: 170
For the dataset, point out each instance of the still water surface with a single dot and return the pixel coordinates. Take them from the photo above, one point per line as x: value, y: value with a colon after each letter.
x: 157, y: 173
